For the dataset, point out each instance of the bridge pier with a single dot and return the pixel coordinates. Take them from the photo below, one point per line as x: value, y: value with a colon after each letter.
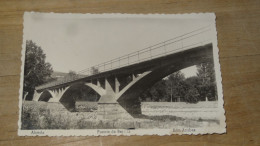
x: 36, y: 95
x: 117, y: 85
x: 108, y: 107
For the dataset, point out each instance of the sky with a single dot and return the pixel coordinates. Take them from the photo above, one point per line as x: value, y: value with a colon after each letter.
x: 77, y: 41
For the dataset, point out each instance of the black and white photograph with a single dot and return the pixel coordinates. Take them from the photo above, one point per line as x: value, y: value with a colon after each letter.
x: 120, y: 74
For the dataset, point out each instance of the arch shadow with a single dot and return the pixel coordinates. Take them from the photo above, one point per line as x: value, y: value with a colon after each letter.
x: 45, y: 96
x: 77, y: 92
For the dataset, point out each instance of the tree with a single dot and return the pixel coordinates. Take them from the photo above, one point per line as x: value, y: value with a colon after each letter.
x: 169, y: 89
x: 192, y: 90
x: 207, y: 87
x: 36, y: 70
x: 156, y: 93
x: 94, y: 70
x: 193, y: 85
x: 175, y: 83
x: 72, y: 75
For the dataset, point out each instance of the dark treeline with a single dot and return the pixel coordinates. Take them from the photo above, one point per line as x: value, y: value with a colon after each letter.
x: 176, y: 87
x: 36, y: 70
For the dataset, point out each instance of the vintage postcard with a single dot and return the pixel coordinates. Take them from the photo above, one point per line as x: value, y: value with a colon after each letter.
x: 120, y: 74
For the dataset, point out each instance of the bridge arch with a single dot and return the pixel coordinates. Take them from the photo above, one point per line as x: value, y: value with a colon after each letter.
x: 46, y: 95
x: 78, y: 92
x: 128, y: 98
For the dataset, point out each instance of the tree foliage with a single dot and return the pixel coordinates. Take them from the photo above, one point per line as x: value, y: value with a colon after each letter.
x: 94, y: 70
x: 176, y: 87
x: 206, y: 75
x: 36, y: 70
x: 175, y: 82
x: 72, y: 75
x: 155, y: 93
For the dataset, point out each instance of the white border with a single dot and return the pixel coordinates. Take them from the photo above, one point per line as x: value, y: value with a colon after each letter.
x: 96, y: 132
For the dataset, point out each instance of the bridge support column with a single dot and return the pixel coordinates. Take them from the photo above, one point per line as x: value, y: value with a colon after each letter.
x: 98, y: 83
x: 117, y: 84
x: 108, y: 107
x: 36, y: 95
x: 57, y: 94
x: 133, y: 76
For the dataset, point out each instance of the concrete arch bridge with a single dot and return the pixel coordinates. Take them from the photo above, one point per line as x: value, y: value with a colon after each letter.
x: 117, y: 87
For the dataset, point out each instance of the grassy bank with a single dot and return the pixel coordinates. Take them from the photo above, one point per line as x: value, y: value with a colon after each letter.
x: 42, y: 115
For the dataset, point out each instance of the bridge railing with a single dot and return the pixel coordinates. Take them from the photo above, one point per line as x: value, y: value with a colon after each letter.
x: 183, y: 42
